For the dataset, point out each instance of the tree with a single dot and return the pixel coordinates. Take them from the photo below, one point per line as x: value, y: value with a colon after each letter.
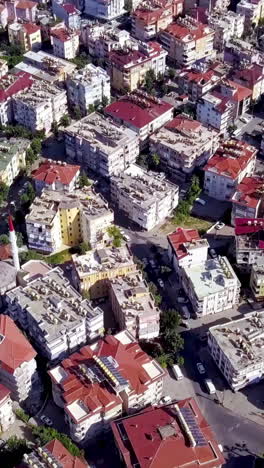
x: 55, y: 128
x: 173, y: 342
x: 3, y: 192
x: 149, y: 80
x: 91, y: 109
x: 165, y: 360
x: 12, y: 452
x: 170, y: 320
x: 154, y: 160
x: 172, y: 73
x: 46, y: 434
x: 4, y: 239
x: 84, y: 247
x: 36, y: 145
x: 65, y: 120
x: 128, y: 5
x: 104, y: 101
x: 77, y: 115
x: 30, y: 157
x: 83, y: 180
x: 81, y: 60
x: 116, y: 235
x: 20, y: 239
x: 154, y: 291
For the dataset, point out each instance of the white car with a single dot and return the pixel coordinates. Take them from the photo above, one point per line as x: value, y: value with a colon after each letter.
x: 46, y: 420
x: 126, y: 238
x: 219, y: 225
x: 200, y: 368
x: 245, y: 119
x: 161, y: 283
x: 152, y: 263
x: 165, y: 399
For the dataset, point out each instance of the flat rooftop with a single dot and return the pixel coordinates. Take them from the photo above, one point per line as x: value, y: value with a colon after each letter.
x: 242, y: 340
x: 211, y: 277
x: 39, y: 93
x: 101, y: 132
x: 54, y: 303
x: 10, y: 148
x: 45, y: 66
x: 89, y: 75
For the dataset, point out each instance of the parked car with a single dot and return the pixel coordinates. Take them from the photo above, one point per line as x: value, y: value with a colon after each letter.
x: 210, y: 386
x: 219, y: 225
x: 126, y: 238
x: 200, y: 368
x: 161, y: 283
x: 177, y: 372
x: 46, y: 420
x: 185, y: 313
x: 212, y: 253
x: 200, y: 201
x: 182, y: 300
x: 165, y: 399
x: 152, y: 263
x: 245, y: 119
x: 236, y: 132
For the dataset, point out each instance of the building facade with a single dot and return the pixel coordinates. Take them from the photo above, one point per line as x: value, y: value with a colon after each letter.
x: 56, y: 176
x: 226, y: 26
x: 53, y: 452
x: 249, y: 237
x: 12, y: 158
x: 257, y: 281
x: 186, y: 248
x: 10, y: 85
x: 104, y: 10
x: 252, y: 11
x: 7, y: 417
x: 65, y: 43
x: 247, y: 201
x: 27, y: 36
x: 215, y: 110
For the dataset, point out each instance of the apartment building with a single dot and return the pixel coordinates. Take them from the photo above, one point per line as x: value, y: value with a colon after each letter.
x: 211, y: 286
x: 88, y: 86
x: 257, y: 281
x: 233, y: 161
x: 65, y: 42
x: 8, y: 273
x: 149, y: 18
x: 236, y: 348
x: 27, y: 35
x: 58, y: 219
x: 215, y: 110
x: 94, y: 270
x: 55, y: 316
x: 104, y: 10
x: 186, y: 248
x: 247, y: 201
x: 238, y: 52
x: 144, y: 197
x: 239, y: 96
x: 9, y: 86
x: 55, y: 176
x: 39, y: 106
x: 180, y: 433
x: 249, y: 234
x: 7, y: 417
x: 182, y: 145
x: 188, y: 41
x: 112, y: 376
x: 3, y: 68
x: 195, y: 83
x: 52, y: 454
x: 68, y: 13
x: 226, y: 25
x: 134, y: 307
x: 12, y: 158
x: 140, y: 112
x: 98, y: 143
x: 101, y: 39
x: 129, y: 66
x: 18, y: 371
x: 253, y: 78
x: 253, y: 11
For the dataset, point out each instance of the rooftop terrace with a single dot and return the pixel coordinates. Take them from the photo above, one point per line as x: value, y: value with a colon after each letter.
x: 9, y: 148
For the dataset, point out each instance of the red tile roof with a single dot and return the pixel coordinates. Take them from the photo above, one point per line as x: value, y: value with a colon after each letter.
x: 24, y: 4
x: 63, y: 456
x: 154, y: 12
x: 156, y: 438
x: 15, y: 348
x: 31, y: 28
x: 249, y: 76
x: 231, y: 158
x: 241, y: 91
x: 50, y: 172
x: 249, y: 192
x: 181, y: 236
x: 179, y: 31
x: 201, y: 78
x: 4, y: 392
x: 5, y: 252
x: 138, y: 110
x: 125, y: 59
x: 62, y: 34
x: 248, y: 226
x: 69, y: 8
x: 182, y: 123
x: 12, y: 84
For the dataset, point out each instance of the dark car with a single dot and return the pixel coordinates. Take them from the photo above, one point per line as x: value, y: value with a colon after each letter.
x: 212, y: 253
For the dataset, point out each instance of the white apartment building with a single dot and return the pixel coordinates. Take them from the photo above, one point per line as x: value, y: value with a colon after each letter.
x: 134, y: 307
x: 97, y: 143
x: 233, y: 161
x: 12, y: 158
x: 215, y: 110
x: 101, y: 39
x: 18, y: 369
x: 249, y: 234
x: 104, y: 10
x: 3, y: 68
x: 186, y: 248
x: 54, y: 315
x: 226, y: 25
x: 109, y: 377
x: 188, y: 41
x: 88, y: 86
x: 211, y: 286
x: 7, y: 417
x: 11, y: 84
x: 252, y: 11
x: 144, y: 197
x: 56, y: 176
x: 257, y: 280
x: 64, y: 218
x: 65, y: 43
x: 41, y: 105
x: 183, y: 144
x: 237, y: 349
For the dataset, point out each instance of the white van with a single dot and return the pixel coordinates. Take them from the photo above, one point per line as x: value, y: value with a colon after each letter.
x: 236, y: 132
x: 177, y: 372
x: 210, y: 386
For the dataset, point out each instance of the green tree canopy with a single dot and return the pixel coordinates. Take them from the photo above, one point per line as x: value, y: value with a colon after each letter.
x: 4, y: 189
x: 83, y: 180
x: 65, y: 120
x: 46, y: 434
x: 4, y: 239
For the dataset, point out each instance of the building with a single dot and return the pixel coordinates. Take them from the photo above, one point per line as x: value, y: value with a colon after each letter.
x: 238, y: 52
x: 3, y: 68
x: 134, y: 307
x: 149, y: 18
x: 186, y: 248
x: 39, y: 106
x: 56, y: 176
x: 9, y: 86
x: 247, y: 201
x: 65, y: 42
x: 31, y: 270
x: 53, y: 452
x: 88, y: 86
x: 195, y: 83
x: 182, y: 145
x: 98, y: 143
x: 141, y: 112
x: 253, y: 78
x: 8, y: 276
x: 253, y: 11
x: 94, y: 270
x: 12, y: 158
x: 104, y: 10
x: 226, y: 25
x: 144, y: 197
x: 112, y: 376
x: 45, y: 67
x: 101, y: 39
x: 236, y: 348
x: 18, y: 370
x: 27, y: 35
x: 233, y: 161
x: 215, y: 110
x: 129, y: 66
x: 249, y: 235
x: 54, y: 314
x: 188, y: 41
x: 175, y: 435
x: 70, y: 218
x: 25, y: 10
x: 239, y: 96
x: 211, y: 286
x: 7, y: 417
x: 257, y: 281
x: 68, y: 13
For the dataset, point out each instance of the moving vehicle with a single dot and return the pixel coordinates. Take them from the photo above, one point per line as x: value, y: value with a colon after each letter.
x: 210, y: 386
x: 200, y: 368
x: 177, y: 372
x: 46, y: 420
x: 200, y: 201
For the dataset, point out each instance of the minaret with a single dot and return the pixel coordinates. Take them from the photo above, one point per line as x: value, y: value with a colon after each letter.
x: 13, y: 242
